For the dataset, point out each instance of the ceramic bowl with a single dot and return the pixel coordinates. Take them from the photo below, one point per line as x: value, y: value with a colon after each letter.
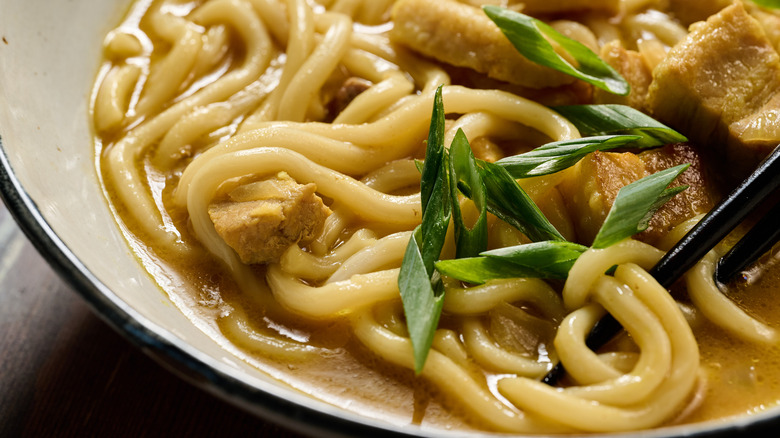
x: 49, y: 55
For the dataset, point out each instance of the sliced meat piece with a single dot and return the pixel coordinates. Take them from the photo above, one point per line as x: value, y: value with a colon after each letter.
x: 632, y: 66
x: 720, y: 84
x: 595, y: 181
x: 262, y: 219
x: 698, y: 198
x: 463, y: 36
x: 592, y: 187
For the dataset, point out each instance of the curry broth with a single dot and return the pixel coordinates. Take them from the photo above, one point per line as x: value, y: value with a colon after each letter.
x: 741, y: 377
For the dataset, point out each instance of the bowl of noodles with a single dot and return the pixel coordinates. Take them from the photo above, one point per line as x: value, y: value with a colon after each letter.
x: 390, y: 217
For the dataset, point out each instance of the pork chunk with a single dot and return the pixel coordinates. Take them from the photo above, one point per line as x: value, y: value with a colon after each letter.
x: 720, y: 87
x: 463, y: 36
x: 698, y: 198
x: 592, y: 187
x: 595, y: 181
x: 631, y: 65
x: 262, y: 219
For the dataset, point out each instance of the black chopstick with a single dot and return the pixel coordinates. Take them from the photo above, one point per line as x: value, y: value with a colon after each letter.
x: 720, y: 221
x: 700, y: 240
x: 760, y: 239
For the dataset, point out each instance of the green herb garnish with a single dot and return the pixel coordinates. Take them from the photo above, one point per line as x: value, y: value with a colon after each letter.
x: 422, y: 291
x: 606, y: 127
x: 528, y: 34
x: 510, y: 203
x: 556, y: 156
x: 630, y: 214
x: 493, y: 188
x: 422, y: 294
x: 635, y: 205
x: 463, y: 167
x: 479, y: 270
x: 620, y: 119
x: 770, y: 4
x: 551, y: 260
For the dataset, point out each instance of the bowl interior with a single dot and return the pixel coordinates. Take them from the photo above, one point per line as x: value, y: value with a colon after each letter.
x: 49, y: 55
x: 46, y: 70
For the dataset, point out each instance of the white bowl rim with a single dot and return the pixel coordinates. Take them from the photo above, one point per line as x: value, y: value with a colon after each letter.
x: 214, y: 377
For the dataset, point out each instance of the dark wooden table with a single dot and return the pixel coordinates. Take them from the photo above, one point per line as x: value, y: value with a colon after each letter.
x: 64, y: 372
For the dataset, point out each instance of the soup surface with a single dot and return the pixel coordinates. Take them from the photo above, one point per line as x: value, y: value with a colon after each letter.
x: 264, y: 159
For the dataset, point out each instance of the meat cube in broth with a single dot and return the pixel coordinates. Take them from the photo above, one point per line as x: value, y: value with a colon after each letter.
x: 593, y: 185
x: 720, y: 86
x: 261, y: 220
x: 461, y: 35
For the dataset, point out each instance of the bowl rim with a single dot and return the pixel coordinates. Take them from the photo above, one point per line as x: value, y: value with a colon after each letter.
x: 317, y: 418
x: 164, y: 347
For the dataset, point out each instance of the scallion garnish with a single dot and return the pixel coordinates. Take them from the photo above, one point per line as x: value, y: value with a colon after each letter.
x: 479, y: 270
x: 556, y: 156
x: 635, y: 205
x: 553, y: 259
x: 422, y: 295
x: 631, y: 212
x: 492, y: 187
x: 770, y: 4
x: 605, y: 127
x: 613, y: 119
x: 422, y: 291
x: 463, y: 167
x: 550, y: 260
x: 510, y: 203
x: 528, y: 34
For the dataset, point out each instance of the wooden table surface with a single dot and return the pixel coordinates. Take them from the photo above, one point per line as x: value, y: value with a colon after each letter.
x: 64, y: 372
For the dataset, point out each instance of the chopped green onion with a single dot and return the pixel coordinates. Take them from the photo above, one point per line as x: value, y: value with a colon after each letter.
x: 422, y: 298
x: 528, y: 34
x: 436, y: 219
x: 494, y: 189
x: 771, y: 4
x: 507, y: 200
x: 463, y: 167
x: 556, y: 156
x: 550, y: 260
x: 620, y: 119
x: 479, y: 270
x: 434, y: 151
x: 635, y: 205
x: 422, y: 292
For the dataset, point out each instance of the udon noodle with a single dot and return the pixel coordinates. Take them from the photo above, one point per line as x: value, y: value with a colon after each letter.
x: 197, y: 100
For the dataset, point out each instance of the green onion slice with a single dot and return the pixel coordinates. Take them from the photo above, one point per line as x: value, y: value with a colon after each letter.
x: 528, y: 34
x: 559, y: 155
x: 422, y: 292
x: 463, y: 167
x: 620, y: 119
x: 635, y: 205
x: 510, y: 203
